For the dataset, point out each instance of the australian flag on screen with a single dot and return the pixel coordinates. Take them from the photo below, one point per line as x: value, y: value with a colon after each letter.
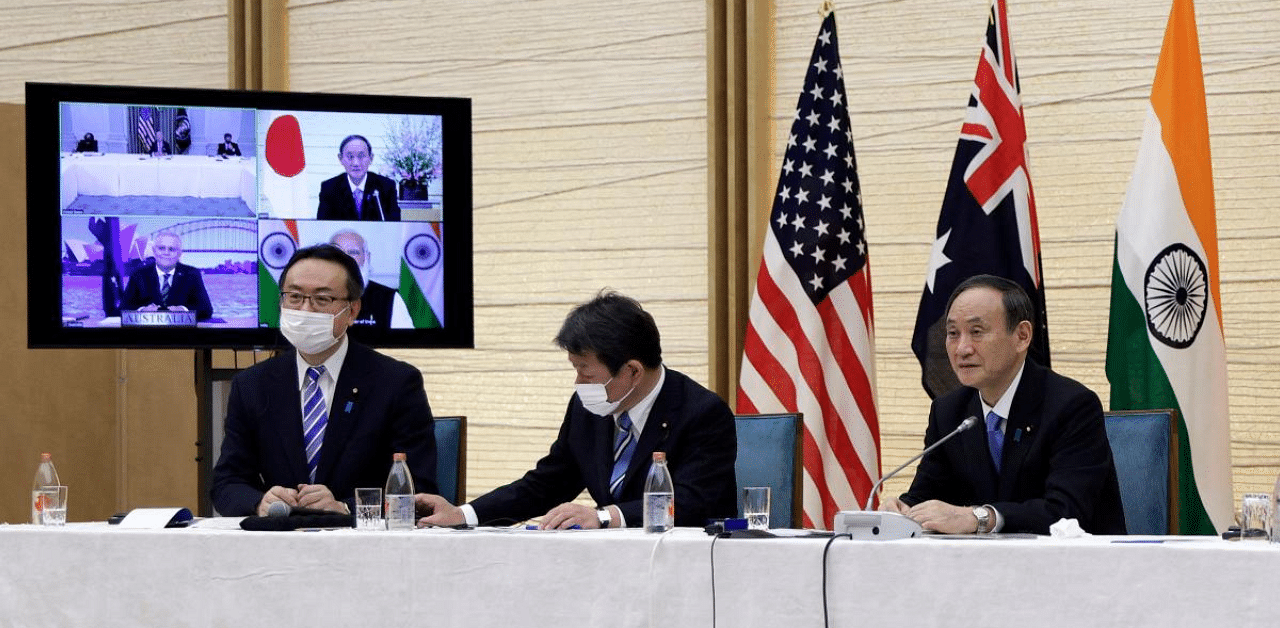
x: 988, y: 220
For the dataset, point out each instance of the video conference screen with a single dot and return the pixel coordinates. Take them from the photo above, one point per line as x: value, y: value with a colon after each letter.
x: 164, y: 217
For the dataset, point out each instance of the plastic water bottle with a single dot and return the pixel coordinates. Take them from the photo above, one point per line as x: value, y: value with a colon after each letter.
x: 659, y: 496
x: 46, y: 477
x: 398, y: 495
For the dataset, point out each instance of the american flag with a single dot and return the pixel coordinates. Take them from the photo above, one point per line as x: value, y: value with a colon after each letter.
x: 810, y: 338
x: 988, y: 218
x: 146, y: 130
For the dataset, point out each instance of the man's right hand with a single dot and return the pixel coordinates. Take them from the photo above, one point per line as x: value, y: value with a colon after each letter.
x: 437, y: 511
x: 277, y: 494
x: 893, y: 504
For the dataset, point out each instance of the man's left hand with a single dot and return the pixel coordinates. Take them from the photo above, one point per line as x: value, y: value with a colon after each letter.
x: 942, y: 517
x: 319, y: 497
x: 568, y: 515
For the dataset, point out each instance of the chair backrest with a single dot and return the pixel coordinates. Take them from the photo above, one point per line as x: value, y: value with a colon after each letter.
x: 1144, y: 444
x: 451, y: 457
x: 769, y: 455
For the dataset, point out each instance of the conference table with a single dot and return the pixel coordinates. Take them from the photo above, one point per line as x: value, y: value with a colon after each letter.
x: 215, y: 574
x: 119, y: 174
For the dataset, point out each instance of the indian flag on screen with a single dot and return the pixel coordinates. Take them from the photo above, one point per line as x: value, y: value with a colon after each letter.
x: 421, y: 277
x: 277, y: 240
x: 1165, y: 347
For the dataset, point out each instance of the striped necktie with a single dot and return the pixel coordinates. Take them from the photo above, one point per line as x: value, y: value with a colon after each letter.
x: 623, y: 446
x: 164, y: 290
x: 995, y: 438
x: 314, y: 417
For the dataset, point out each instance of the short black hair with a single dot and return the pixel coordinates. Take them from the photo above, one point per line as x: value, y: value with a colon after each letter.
x: 614, y: 328
x: 330, y: 253
x: 226, y: 136
x: 1017, y: 305
x: 348, y: 138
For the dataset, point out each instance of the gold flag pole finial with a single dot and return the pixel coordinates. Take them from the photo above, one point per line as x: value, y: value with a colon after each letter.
x: 826, y: 8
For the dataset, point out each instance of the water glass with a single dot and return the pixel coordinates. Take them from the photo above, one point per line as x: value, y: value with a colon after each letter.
x: 53, y: 500
x: 755, y: 507
x: 369, y: 509
x: 1255, y: 512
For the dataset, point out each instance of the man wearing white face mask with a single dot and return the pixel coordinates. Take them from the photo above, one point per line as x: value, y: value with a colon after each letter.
x: 627, y: 406
x: 310, y: 425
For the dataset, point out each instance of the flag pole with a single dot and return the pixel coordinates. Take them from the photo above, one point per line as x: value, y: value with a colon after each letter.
x: 826, y: 8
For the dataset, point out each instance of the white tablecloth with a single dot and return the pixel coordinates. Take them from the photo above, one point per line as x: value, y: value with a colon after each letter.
x: 116, y: 174
x: 96, y: 575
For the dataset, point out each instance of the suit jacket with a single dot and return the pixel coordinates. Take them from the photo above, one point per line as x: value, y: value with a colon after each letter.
x: 379, y: 408
x: 186, y: 288
x: 87, y: 146
x: 1056, y: 461
x: 690, y: 423
x: 233, y: 151
x: 164, y: 148
x: 336, y: 202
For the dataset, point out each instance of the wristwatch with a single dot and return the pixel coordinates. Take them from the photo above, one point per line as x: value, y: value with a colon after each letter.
x: 603, y: 516
x: 984, y: 519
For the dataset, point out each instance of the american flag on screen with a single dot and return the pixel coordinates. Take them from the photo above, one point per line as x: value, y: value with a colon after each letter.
x: 810, y: 338
x: 988, y: 218
x: 146, y: 129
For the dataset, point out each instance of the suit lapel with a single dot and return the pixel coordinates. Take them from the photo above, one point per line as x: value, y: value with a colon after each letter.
x: 344, y: 412
x: 1022, y: 426
x: 284, y: 409
x: 975, y: 445
x: 656, y: 429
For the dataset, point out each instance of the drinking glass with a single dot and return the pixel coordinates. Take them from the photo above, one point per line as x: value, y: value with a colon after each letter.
x: 755, y: 507
x: 369, y: 509
x: 1255, y: 510
x: 54, y: 500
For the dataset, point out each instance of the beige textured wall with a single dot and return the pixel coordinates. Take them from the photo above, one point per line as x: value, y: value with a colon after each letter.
x: 1086, y: 70
x: 590, y: 171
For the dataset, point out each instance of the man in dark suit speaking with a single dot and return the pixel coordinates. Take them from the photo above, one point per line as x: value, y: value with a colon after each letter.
x: 1043, y: 453
x: 167, y: 284
x: 358, y: 194
x: 228, y: 148
x: 627, y: 406
x: 309, y: 426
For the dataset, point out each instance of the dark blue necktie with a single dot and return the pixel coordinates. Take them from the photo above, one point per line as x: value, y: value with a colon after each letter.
x: 314, y: 418
x: 623, y: 446
x: 995, y: 438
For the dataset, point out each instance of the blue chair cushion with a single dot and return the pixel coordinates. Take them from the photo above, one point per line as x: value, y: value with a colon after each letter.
x: 1140, y: 444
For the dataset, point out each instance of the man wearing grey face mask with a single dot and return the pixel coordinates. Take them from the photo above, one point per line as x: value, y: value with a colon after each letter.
x: 627, y: 406
x: 310, y: 425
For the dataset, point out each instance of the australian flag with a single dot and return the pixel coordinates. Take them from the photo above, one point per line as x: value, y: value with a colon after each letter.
x: 988, y: 220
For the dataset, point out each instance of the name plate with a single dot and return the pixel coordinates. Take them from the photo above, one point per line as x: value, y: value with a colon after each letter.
x: 136, y: 318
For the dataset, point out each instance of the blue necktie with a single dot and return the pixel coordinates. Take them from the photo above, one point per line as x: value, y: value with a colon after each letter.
x: 358, y: 197
x: 314, y: 417
x: 995, y: 438
x: 164, y: 290
x: 623, y: 447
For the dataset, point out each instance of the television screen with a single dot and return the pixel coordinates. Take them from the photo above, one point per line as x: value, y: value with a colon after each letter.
x: 163, y: 217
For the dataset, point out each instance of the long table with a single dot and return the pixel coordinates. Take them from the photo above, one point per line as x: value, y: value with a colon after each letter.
x: 117, y: 174
x: 97, y: 575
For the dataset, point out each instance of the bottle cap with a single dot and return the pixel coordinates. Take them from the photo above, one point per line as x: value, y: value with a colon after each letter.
x: 398, y: 457
x: 659, y: 456
x: 46, y: 456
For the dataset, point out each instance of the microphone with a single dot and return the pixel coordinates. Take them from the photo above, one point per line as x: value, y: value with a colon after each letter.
x: 867, y: 524
x: 378, y: 199
x: 278, y: 509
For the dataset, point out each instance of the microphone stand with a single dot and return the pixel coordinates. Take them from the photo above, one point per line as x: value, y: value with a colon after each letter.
x: 877, y: 525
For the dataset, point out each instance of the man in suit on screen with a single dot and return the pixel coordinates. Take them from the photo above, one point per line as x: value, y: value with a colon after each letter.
x: 627, y: 406
x: 381, y: 306
x: 310, y: 425
x: 166, y: 284
x: 357, y: 194
x: 228, y: 148
x: 1042, y: 454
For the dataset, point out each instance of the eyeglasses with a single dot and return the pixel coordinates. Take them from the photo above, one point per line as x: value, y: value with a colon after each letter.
x: 320, y: 301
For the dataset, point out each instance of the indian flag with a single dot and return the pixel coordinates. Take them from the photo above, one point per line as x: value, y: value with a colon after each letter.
x: 1165, y: 347
x: 278, y: 239
x: 421, y: 276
